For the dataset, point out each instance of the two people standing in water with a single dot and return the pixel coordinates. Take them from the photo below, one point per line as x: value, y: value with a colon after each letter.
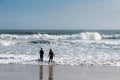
x: 50, y: 55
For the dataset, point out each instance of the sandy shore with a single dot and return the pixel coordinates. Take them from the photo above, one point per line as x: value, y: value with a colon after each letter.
x: 39, y: 72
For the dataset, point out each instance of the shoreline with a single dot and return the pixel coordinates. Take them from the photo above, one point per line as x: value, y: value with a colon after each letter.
x: 58, y: 72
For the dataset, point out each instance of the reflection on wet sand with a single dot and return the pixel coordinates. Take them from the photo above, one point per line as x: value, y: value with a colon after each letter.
x: 50, y: 72
x: 41, y: 72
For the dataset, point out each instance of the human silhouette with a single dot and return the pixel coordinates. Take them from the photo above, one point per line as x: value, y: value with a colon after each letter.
x: 41, y: 54
x: 41, y: 72
x: 50, y: 72
x: 50, y: 55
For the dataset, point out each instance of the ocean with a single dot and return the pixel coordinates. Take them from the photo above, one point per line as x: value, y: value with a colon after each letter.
x: 71, y: 47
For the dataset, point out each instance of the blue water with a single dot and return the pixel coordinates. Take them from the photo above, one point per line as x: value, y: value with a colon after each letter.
x: 71, y: 47
x: 58, y: 32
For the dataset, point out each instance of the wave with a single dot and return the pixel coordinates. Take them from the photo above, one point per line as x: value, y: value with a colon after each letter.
x: 7, y: 43
x: 90, y: 36
x: 114, y: 36
x: 61, y: 60
x: 85, y: 35
x: 80, y: 36
x: 8, y: 39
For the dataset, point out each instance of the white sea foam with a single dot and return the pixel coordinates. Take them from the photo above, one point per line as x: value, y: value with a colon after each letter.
x: 91, y: 36
x: 7, y: 43
x: 82, y: 59
x: 80, y: 36
x: 85, y: 35
x: 114, y: 36
x: 86, y: 48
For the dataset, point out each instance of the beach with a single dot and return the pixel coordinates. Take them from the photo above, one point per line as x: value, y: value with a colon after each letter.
x: 56, y: 72
x: 79, y: 55
x: 60, y: 40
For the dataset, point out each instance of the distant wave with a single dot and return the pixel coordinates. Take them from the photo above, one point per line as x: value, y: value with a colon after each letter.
x: 90, y: 36
x: 114, y: 36
x: 80, y: 36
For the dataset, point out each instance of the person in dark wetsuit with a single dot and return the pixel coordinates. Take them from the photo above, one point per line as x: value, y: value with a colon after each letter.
x: 50, y: 55
x: 41, y: 54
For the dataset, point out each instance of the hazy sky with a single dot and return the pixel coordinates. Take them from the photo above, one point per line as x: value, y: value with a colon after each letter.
x: 59, y: 14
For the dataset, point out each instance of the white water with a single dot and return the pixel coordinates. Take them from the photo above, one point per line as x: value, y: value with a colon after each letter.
x: 88, y: 48
x: 86, y: 35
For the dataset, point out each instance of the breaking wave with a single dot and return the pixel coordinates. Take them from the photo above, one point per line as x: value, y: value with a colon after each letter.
x: 80, y: 36
x: 83, y: 36
x: 85, y: 48
x: 82, y: 59
x: 12, y: 39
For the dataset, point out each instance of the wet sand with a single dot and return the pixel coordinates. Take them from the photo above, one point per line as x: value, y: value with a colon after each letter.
x: 50, y: 72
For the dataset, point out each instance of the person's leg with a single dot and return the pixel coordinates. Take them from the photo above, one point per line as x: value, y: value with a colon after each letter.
x: 41, y: 59
x: 49, y: 60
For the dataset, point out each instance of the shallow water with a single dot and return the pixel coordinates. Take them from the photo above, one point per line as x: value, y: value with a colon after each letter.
x: 71, y: 47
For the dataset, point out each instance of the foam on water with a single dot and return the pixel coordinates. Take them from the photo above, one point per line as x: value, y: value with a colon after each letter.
x: 91, y: 36
x: 80, y: 36
x: 86, y: 35
x: 85, y: 48
x: 82, y: 59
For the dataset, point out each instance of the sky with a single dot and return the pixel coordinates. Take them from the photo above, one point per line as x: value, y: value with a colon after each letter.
x: 60, y: 14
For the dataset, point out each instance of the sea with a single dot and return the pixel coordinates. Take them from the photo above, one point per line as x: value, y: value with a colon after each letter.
x: 71, y: 47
